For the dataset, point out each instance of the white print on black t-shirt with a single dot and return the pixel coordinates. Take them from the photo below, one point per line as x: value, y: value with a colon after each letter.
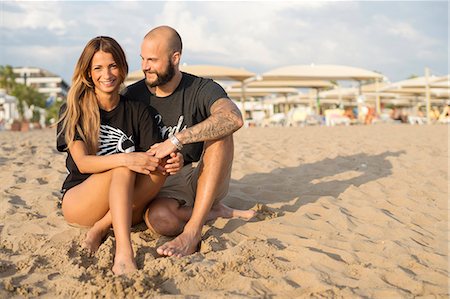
x: 167, y: 129
x: 113, y: 140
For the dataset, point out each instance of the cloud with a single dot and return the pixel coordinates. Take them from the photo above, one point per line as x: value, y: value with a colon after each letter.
x: 397, y: 28
x: 34, y: 15
x: 232, y: 33
x: 255, y: 35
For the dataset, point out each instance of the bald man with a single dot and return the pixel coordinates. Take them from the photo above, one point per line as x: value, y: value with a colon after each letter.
x: 196, y: 117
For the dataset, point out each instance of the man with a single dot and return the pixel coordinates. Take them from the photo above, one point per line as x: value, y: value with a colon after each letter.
x: 195, y: 116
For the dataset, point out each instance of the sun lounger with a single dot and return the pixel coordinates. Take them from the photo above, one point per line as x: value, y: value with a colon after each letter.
x: 335, y: 117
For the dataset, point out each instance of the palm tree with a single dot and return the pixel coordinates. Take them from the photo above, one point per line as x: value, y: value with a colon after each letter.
x: 7, y: 78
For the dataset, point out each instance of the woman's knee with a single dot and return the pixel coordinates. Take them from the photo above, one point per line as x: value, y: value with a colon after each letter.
x: 122, y: 174
x: 122, y: 171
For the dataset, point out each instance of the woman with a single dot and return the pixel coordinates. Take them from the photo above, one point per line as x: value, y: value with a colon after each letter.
x: 111, y: 177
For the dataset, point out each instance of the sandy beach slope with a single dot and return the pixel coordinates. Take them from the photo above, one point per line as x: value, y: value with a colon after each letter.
x: 344, y: 212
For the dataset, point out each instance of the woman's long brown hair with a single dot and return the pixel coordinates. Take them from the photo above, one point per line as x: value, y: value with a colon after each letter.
x: 82, y: 113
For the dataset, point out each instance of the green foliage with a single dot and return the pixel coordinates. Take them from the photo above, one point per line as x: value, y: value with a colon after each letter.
x: 28, y: 95
x: 23, y: 93
x: 7, y: 78
x: 36, y: 116
x: 53, y: 112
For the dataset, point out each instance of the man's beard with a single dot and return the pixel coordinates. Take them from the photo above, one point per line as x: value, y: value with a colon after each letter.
x: 163, y: 78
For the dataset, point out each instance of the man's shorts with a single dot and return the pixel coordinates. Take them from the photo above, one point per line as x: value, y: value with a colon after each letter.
x: 183, y: 185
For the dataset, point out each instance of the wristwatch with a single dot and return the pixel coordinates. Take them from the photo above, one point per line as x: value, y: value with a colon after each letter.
x: 176, y: 142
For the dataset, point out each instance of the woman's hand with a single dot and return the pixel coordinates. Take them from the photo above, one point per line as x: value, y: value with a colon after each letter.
x: 141, y: 162
x: 174, y: 163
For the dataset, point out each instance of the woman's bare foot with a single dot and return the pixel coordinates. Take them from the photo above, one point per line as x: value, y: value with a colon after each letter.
x: 221, y: 210
x: 94, y: 238
x: 184, y: 244
x: 124, y: 265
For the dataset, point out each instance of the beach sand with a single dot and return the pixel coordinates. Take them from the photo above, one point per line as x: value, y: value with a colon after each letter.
x: 358, y: 211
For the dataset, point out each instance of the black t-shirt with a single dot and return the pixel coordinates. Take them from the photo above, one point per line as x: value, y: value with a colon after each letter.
x: 188, y: 105
x: 127, y: 128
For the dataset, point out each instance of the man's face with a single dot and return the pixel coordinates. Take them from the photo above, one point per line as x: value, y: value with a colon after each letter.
x: 156, y: 63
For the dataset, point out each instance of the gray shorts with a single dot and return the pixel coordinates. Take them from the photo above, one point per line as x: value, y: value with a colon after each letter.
x: 183, y: 186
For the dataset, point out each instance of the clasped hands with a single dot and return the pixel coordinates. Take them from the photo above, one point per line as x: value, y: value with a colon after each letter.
x: 161, y: 157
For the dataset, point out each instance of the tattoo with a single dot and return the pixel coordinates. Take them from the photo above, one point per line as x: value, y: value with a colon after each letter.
x: 222, y: 122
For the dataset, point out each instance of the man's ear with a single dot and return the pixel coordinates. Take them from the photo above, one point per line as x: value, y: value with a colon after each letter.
x: 176, y: 58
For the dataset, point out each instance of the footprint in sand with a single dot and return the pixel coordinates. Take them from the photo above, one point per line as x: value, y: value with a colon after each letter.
x: 263, y: 212
x: 7, y: 268
x: 81, y: 256
x: 20, y: 180
x: 17, y: 201
x: 42, y: 181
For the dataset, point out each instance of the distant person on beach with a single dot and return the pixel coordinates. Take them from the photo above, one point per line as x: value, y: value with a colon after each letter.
x: 370, y: 115
x: 195, y: 116
x: 111, y: 178
x: 398, y: 115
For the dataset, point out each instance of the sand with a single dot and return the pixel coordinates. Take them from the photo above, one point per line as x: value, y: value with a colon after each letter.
x: 358, y: 211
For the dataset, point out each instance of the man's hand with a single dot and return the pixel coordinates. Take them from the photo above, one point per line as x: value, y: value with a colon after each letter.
x: 163, y: 149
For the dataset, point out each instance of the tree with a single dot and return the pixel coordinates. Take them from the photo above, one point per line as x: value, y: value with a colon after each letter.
x: 7, y: 78
x: 53, y: 112
x: 28, y: 95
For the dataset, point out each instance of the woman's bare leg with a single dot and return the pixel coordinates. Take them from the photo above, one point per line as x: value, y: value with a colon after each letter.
x: 120, y: 200
x: 97, y: 233
x: 87, y: 204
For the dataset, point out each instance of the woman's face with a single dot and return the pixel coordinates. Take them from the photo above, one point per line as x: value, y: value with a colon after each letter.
x: 105, y: 73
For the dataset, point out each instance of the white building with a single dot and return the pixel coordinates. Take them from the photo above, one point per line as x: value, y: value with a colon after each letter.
x: 8, y: 109
x: 45, y: 82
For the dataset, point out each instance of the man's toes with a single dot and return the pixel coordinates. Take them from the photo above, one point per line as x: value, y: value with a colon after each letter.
x: 164, y: 250
x: 160, y: 250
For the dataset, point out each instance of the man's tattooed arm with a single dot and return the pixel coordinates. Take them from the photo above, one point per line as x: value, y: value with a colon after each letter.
x: 225, y: 119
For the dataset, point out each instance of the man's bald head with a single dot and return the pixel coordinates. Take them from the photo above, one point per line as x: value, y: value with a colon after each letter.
x: 167, y: 35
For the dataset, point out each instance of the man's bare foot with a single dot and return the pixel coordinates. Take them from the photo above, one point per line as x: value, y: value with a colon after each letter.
x: 185, y: 244
x: 221, y: 210
x: 124, y: 265
x: 94, y: 238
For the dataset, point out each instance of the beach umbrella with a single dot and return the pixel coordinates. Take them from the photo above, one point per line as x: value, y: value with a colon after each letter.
x: 426, y: 86
x: 322, y: 72
x: 260, y: 92
x: 217, y: 72
x: 349, y: 93
x: 419, y: 82
x: 440, y: 82
x: 260, y: 82
x: 208, y: 71
x: 214, y: 72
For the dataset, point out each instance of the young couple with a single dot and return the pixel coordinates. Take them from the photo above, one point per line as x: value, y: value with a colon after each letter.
x: 130, y: 157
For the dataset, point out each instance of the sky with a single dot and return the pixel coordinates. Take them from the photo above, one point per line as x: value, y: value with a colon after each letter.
x: 396, y: 38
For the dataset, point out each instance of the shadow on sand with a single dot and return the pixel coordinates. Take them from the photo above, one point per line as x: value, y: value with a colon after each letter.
x: 304, y: 184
